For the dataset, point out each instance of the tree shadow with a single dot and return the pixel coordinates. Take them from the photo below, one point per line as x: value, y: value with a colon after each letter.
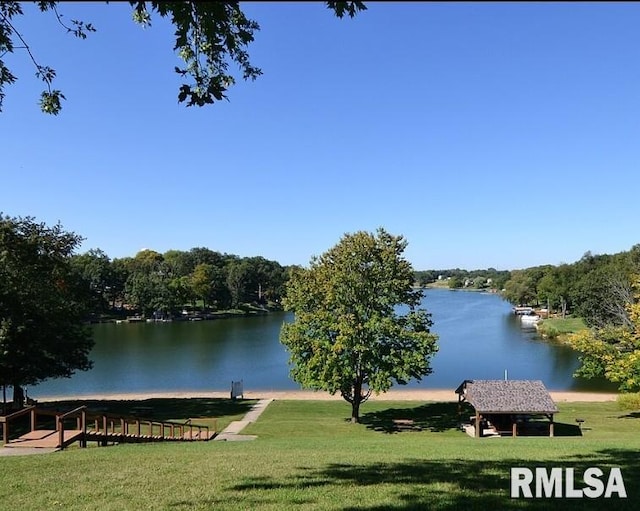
x: 541, y: 428
x: 460, y: 484
x: 632, y: 415
x: 447, y: 416
x: 435, y: 417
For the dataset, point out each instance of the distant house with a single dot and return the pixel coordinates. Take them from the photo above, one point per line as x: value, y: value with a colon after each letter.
x: 504, y: 406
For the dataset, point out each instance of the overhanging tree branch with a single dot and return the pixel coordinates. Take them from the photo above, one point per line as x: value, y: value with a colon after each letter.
x: 209, y: 37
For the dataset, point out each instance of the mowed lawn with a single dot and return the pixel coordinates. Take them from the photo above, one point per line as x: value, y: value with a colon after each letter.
x: 309, y: 456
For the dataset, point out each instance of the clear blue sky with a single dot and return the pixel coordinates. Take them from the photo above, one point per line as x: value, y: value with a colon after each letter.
x: 488, y: 134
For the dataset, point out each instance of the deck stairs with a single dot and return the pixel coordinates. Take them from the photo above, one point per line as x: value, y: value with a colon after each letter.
x: 82, y: 425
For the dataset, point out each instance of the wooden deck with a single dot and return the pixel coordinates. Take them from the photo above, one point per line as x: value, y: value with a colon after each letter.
x: 49, y: 438
x: 99, y: 427
x: 46, y: 439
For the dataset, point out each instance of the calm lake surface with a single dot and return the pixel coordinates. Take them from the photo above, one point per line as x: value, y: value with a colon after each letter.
x: 479, y: 339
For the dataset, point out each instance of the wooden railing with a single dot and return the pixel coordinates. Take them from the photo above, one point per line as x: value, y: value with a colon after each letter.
x: 122, y: 428
x: 80, y: 414
x: 106, y: 426
x: 5, y: 419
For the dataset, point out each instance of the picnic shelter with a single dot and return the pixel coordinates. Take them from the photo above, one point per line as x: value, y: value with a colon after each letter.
x: 505, y: 406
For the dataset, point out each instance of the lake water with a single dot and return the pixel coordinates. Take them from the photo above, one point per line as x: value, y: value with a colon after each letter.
x: 479, y: 338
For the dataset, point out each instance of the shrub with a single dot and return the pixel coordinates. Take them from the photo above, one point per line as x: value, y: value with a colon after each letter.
x: 549, y: 331
x: 629, y: 401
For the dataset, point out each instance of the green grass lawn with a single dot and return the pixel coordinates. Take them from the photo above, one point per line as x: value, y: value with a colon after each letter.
x: 559, y: 328
x: 309, y: 456
x: 564, y: 326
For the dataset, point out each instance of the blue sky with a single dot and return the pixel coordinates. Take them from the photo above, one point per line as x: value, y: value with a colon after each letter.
x: 500, y: 135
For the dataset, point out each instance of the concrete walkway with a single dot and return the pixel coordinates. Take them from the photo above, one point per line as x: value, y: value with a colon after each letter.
x: 232, y: 431
x: 25, y: 451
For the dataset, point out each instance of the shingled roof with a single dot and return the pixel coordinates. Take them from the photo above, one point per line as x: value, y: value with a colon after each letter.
x: 507, y: 396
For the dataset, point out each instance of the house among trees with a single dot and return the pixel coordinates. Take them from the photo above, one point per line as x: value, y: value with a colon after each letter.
x: 507, y: 407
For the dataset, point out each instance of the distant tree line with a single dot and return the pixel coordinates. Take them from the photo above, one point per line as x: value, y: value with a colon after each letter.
x: 597, y: 288
x: 457, y: 278
x: 151, y: 283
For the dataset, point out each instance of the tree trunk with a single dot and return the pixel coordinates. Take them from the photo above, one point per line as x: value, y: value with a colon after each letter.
x: 18, y: 397
x: 355, y: 410
x: 355, y: 404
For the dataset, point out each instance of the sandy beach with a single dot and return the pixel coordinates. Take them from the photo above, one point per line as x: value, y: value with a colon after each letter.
x: 392, y: 395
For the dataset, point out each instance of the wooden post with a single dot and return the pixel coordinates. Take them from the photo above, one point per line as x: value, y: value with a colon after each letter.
x: 60, y: 428
x: 33, y: 419
x: 105, y: 429
x: 551, y: 426
x: 83, y: 427
x: 478, y: 426
x: 514, y: 428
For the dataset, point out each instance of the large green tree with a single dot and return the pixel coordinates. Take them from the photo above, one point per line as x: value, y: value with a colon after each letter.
x: 94, y: 267
x: 554, y: 288
x: 357, y: 326
x: 147, y: 287
x: 209, y: 37
x: 202, y: 282
x: 238, y: 275
x: 42, y: 305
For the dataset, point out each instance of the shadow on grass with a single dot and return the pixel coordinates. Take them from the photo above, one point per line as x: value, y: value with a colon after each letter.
x: 632, y: 415
x: 436, y: 417
x: 161, y: 408
x: 459, y: 484
x: 440, y: 417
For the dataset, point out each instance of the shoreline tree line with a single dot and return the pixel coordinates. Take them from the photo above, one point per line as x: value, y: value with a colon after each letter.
x: 603, y: 290
x: 161, y: 285
x: 596, y: 288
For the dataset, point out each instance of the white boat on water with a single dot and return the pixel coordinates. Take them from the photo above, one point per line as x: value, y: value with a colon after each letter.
x: 529, y: 319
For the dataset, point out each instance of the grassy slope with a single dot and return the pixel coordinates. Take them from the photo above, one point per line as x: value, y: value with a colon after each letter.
x: 308, y: 456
